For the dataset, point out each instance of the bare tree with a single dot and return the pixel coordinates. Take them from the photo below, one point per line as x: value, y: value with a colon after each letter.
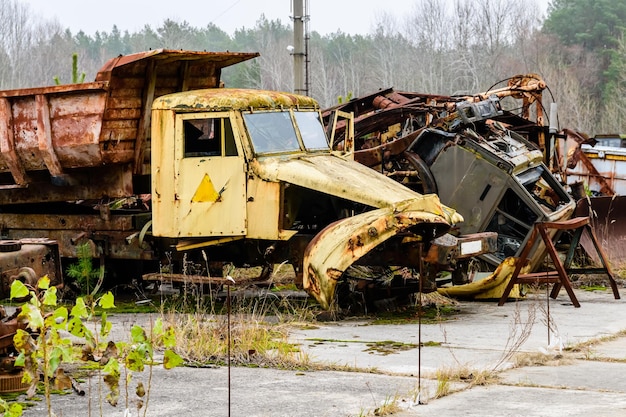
x: 16, y: 38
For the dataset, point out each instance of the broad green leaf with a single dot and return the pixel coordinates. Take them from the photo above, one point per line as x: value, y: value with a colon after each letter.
x: 76, y: 327
x: 135, y: 361
x: 55, y: 360
x: 89, y: 337
x: 112, y: 367
x: 80, y: 309
x: 137, y: 334
x: 20, y: 361
x: 33, y: 317
x: 34, y: 300
x: 23, y: 342
x: 157, y: 329
x: 169, y: 338
x: 105, y: 325
x: 58, y: 319
x: 27, y: 378
x: 171, y: 359
x: 18, y: 289
x: 44, y: 283
x: 107, y: 301
x: 50, y: 297
x: 15, y: 410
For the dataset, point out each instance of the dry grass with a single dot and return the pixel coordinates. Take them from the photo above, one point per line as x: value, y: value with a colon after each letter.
x: 255, y: 321
x: 201, y: 339
x: 388, y: 407
x: 524, y: 359
x: 465, y: 374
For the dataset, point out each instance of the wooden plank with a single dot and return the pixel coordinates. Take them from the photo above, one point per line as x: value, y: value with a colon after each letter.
x: 109, y: 135
x: 124, y: 103
x: 183, y: 77
x: 144, y: 121
x: 120, y: 114
x: 126, y: 92
x: 119, y: 124
x: 190, y: 279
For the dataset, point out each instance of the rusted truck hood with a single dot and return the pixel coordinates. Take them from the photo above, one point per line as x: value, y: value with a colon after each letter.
x: 345, y: 241
x: 347, y: 179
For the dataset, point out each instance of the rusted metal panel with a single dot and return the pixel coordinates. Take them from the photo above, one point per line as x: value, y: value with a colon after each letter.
x: 344, y: 242
x: 115, y: 244
x: 85, y: 222
x: 227, y: 99
x: 219, y: 59
x: 62, y: 127
x: 54, y: 131
x: 88, y: 184
x: 601, y: 168
x: 7, y: 144
x: 263, y: 218
x: 324, y: 172
x: 28, y: 260
x: 44, y: 136
x: 460, y: 148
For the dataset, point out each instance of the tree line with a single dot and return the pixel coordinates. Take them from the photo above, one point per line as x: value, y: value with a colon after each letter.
x: 437, y: 46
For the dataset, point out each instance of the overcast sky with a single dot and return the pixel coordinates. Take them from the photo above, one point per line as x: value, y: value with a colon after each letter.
x: 326, y: 16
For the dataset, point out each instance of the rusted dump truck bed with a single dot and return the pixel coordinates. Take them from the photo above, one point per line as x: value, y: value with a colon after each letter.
x: 105, y: 122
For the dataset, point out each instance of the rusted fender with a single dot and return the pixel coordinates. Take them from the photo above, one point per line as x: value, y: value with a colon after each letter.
x: 490, y: 287
x: 345, y: 241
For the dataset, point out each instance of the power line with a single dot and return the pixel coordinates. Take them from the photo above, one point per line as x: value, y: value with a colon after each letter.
x: 224, y: 12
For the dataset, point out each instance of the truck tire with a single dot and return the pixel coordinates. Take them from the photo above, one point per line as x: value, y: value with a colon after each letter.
x: 10, y: 245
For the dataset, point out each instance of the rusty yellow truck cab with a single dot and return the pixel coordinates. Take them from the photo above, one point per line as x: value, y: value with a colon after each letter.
x: 231, y: 164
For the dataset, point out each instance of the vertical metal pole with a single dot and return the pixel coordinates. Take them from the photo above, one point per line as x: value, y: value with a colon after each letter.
x: 307, y: 36
x: 228, y: 309
x: 419, y: 322
x: 548, y: 312
x: 298, y: 47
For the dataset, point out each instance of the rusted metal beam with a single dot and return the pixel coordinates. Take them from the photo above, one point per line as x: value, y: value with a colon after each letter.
x: 144, y: 120
x: 44, y: 136
x: 7, y: 144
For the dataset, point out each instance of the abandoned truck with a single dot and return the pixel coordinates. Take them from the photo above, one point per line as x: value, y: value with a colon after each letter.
x: 481, y: 160
x: 152, y: 162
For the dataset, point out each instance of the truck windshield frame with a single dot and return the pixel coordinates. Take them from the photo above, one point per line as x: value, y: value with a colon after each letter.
x: 312, y: 130
x: 273, y: 132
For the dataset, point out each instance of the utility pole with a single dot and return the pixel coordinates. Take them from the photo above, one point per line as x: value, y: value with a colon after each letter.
x: 300, y: 47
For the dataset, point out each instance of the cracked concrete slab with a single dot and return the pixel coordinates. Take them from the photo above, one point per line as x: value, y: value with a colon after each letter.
x: 475, y: 339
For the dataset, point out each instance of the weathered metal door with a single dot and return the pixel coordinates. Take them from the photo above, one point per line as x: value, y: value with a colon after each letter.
x: 210, y: 178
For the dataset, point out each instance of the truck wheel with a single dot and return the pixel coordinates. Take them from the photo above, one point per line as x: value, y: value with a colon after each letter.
x: 410, y: 170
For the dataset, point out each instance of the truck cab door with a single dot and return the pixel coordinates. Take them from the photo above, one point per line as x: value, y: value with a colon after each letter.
x: 210, y: 180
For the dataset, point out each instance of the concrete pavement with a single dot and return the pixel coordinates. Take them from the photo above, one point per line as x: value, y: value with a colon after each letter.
x: 588, y: 382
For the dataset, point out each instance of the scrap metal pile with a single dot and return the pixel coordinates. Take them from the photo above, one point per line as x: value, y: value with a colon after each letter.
x: 488, y: 163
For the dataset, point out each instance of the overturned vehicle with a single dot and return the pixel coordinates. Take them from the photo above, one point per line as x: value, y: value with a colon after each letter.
x: 485, y: 162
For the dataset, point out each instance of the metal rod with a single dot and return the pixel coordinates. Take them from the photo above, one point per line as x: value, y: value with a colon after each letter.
x: 228, y: 309
x: 419, y: 323
x: 548, y: 308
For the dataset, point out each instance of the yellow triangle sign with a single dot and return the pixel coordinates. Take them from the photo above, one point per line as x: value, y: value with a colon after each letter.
x: 206, y: 191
